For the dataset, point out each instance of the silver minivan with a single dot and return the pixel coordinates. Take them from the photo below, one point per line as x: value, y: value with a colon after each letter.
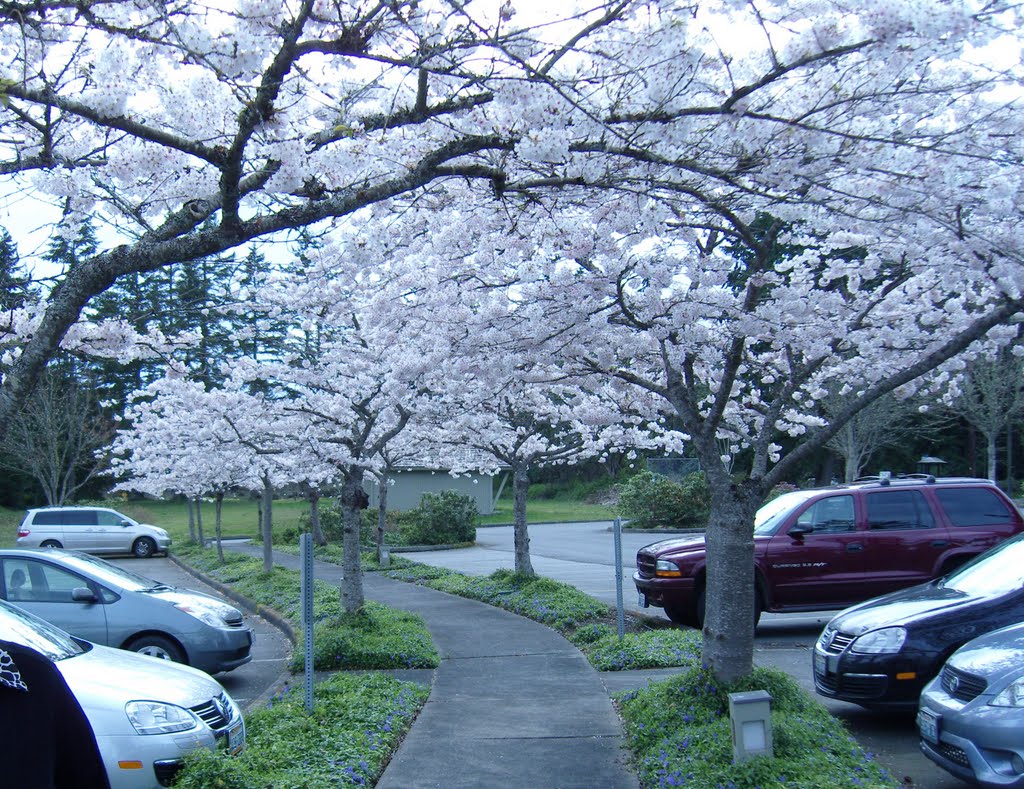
x: 91, y: 529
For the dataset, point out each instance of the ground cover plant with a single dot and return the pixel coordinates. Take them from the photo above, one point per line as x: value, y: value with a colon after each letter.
x: 678, y: 732
x: 357, y: 722
x: 376, y: 637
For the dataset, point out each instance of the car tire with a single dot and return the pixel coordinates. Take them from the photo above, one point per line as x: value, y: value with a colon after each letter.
x: 158, y: 647
x: 50, y: 544
x: 681, y: 615
x: 758, y: 605
x: 143, y: 548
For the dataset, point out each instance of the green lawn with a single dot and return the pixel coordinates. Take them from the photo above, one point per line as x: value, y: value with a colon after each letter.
x: 239, y: 517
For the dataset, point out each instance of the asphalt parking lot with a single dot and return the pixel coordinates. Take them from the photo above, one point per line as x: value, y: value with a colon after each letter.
x: 258, y: 678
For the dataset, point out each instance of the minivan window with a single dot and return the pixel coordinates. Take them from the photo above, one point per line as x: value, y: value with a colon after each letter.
x: 79, y: 517
x: 108, y: 518
x: 899, y: 509
x: 47, y: 518
x: 973, y: 506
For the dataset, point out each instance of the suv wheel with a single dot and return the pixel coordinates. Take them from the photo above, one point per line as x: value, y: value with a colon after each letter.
x: 700, y: 607
x: 50, y: 544
x: 143, y: 547
x: 681, y: 615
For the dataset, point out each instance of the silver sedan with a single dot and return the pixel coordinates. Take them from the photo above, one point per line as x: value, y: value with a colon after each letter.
x: 105, y: 604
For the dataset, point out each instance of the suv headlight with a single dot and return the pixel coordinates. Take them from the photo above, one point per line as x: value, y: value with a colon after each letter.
x: 158, y: 717
x: 886, y: 641
x: 1011, y: 696
x: 663, y: 568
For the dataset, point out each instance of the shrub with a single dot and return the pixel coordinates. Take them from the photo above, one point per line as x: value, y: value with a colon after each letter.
x: 652, y: 501
x: 679, y: 734
x: 358, y: 721
x: 443, y: 518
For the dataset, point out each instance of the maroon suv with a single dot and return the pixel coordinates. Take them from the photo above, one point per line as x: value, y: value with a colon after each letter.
x: 832, y: 547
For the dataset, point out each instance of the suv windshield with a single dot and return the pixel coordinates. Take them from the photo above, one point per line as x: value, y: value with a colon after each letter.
x: 996, y: 573
x: 774, y: 513
x: 23, y: 628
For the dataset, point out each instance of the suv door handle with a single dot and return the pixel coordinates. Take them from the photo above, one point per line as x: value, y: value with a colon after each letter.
x: 855, y: 546
x: 939, y: 543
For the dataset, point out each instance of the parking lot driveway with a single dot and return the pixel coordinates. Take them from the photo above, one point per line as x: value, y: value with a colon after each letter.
x: 257, y: 679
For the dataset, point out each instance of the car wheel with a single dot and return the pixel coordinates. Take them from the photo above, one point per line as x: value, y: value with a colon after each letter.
x: 50, y: 544
x: 157, y: 646
x: 681, y: 615
x: 143, y: 547
x: 700, y: 608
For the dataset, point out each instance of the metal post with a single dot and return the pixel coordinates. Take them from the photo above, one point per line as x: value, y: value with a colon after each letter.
x: 306, y: 549
x: 619, y: 617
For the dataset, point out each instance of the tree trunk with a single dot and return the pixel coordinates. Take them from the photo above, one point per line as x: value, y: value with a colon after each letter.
x: 729, y: 602
x: 382, y: 513
x: 217, y: 507
x: 314, y: 517
x: 199, y: 523
x: 990, y: 455
x: 520, y: 485
x: 191, y: 520
x: 267, y: 527
x: 353, y: 501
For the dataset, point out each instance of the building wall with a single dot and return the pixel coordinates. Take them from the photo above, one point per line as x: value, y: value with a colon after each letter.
x: 410, y: 485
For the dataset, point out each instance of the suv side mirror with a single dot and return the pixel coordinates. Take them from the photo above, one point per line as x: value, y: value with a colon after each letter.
x: 125, y: 524
x: 83, y: 594
x: 799, y: 531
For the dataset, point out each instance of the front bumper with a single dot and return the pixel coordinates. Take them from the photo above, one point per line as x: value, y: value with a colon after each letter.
x: 659, y: 592
x: 221, y: 649
x: 972, y: 740
x: 893, y: 680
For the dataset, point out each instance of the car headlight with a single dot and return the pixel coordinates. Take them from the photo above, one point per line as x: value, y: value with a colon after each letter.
x: 202, y: 614
x: 1011, y: 696
x: 886, y: 641
x: 666, y: 569
x: 157, y: 717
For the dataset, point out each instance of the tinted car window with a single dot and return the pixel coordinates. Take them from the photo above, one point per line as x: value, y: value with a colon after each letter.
x: 899, y: 509
x: 108, y: 518
x: 831, y: 515
x: 771, y: 516
x: 45, y: 518
x: 973, y: 507
x: 79, y: 517
x: 39, y: 582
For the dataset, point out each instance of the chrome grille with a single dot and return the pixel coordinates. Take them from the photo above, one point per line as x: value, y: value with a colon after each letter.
x: 646, y: 565
x: 838, y: 642
x: 961, y: 685
x: 216, y: 713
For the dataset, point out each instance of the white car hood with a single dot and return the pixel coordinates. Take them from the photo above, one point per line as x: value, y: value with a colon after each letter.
x: 105, y: 679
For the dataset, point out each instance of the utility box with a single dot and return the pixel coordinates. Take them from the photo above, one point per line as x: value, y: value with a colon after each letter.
x: 751, y: 716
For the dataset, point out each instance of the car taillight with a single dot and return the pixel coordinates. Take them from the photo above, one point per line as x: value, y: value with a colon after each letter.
x: 22, y: 531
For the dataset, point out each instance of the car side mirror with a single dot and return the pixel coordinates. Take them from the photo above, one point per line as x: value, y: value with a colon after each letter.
x: 83, y: 594
x: 125, y: 524
x: 799, y: 531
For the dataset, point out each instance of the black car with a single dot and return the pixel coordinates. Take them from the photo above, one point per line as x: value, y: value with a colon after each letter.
x: 882, y: 653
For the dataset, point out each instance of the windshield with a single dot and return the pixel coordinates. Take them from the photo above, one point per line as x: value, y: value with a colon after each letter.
x: 108, y: 573
x: 23, y: 628
x: 995, y: 573
x: 771, y: 516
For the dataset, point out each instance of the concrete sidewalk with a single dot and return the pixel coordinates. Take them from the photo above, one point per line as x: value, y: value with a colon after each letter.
x: 513, y: 704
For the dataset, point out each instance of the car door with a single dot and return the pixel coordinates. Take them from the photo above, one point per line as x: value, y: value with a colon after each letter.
x: 79, y: 529
x: 905, y: 539
x: 816, y: 560
x: 45, y: 590
x: 113, y: 536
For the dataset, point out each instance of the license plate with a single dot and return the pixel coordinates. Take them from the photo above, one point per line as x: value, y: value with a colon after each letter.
x: 928, y: 725
x: 236, y: 738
